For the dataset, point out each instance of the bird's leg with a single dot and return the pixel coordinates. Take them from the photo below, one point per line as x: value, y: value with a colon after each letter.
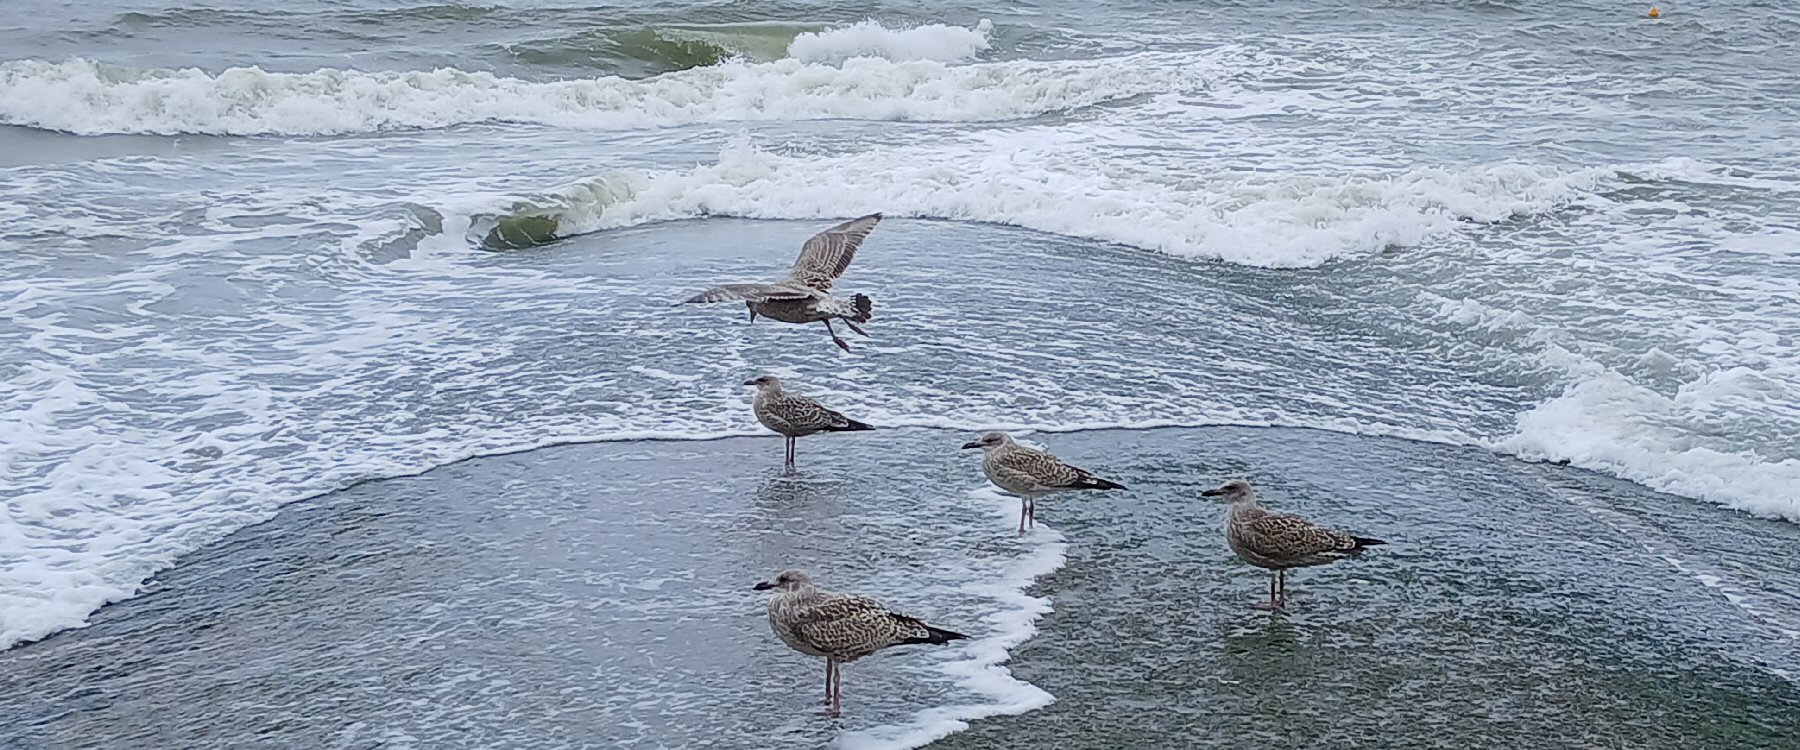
x: 1022, y: 500
x: 859, y: 331
x: 834, y: 337
x: 789, y: 464
x: 837, y: 688
x: 1281, y: 587
x: 829, y: 674
x: 1031, y: 510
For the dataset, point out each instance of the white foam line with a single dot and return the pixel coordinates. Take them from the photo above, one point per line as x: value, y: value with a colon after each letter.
x: 90, y: 97
x: 1035, y: 179
x: 984, y: 672
x: 871, y: 39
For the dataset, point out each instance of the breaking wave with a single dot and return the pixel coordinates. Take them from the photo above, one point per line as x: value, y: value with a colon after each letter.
x: 89, y: 97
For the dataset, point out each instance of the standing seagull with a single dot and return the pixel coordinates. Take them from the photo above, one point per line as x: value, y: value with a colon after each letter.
x: 795, y: 416
x: 805, y: 295
x: 840, y: 627
x: 1029, y: 472
x: 1277, y: 541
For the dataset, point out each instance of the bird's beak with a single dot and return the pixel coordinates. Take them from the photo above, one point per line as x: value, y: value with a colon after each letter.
x: 764, y: 586
x: 1213, y: 493
x: 967, y: 446
x: 749, y: 382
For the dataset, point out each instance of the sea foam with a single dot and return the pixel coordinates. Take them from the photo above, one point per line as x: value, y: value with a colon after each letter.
x: 1015, y: 179
x: 871, y: 39
x: 89, y: 97
x: 984, y: 671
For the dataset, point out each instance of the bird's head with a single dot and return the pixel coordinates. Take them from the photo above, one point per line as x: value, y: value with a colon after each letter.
x: 1234, y: 490
x: 764, y: 381
x: 990, y: 441
x: 789, y: 580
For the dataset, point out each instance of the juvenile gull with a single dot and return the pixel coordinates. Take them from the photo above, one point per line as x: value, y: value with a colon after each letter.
x: 840, y: 627
x: 1029, y: 472
x: 805, y: 295
x: 795, y: 416
x: 1277, y: 541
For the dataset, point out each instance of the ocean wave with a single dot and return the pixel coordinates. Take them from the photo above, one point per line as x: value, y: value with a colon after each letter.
x: 644, y: 51
x: 89, y: 97
x: 1247, y: 218
x: 870, y: 39
x: 1608, y: 422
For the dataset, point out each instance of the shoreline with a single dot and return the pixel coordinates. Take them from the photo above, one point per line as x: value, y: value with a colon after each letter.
x: 400, y: 561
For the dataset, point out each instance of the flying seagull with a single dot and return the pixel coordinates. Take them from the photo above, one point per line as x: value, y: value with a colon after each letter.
x: 805, y: 295
x: 1029, y: 472
x: 1277, y: 541
x: 795, y: 416
x: 840, y: 627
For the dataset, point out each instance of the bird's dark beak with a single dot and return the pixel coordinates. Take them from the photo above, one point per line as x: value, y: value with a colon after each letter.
x: 749, y: 382
x: 764, y: 586
x: 967, y: 446
x: 1213, y: 493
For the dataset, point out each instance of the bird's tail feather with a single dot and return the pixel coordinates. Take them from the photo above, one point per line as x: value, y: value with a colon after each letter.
x: 865, y: 308
x: 850, y: 425
x: 1096, y: 483
x: 935, y: 635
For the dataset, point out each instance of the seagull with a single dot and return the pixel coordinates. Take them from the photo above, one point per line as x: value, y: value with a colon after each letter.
x: 1277, y: 541
x: 840, y: 627
x: 795, y: 416
x: 805, y: 295
x: 1029, y: 472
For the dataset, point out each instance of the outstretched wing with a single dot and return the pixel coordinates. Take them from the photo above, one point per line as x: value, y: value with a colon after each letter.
x: 825, y: 256
x: 750, y: 293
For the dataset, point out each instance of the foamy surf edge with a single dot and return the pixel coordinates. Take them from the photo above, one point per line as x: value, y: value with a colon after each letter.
x: 984, y: 671
x: 938, y: 42
x: 1018, y: 179
x: 89, y: 97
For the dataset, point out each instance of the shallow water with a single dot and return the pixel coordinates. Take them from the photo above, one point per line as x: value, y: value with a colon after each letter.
x: 598, y: 595
x: 259, y: 254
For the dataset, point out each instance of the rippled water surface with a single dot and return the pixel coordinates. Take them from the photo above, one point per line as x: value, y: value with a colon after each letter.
x: 260, y: 253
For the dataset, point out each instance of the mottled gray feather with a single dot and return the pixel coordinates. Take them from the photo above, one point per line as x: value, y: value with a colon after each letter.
x: 826, y: 256
x: 795, y: 416
x: 847, y: 627
x: 1021, y: 470
x: 751, y: 293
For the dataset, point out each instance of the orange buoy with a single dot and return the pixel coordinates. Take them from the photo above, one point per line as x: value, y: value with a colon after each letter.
x: 1654, y: 13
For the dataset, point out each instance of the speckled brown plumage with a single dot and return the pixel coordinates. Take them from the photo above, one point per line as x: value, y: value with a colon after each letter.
x: 795, y: 416
x: 804, y: 296
x: 840, y: 627
x: 1029, y: 472
x: 1278, y: 541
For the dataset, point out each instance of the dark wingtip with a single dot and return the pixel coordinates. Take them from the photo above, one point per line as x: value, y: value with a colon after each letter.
x: 939, y: 635
x: 853, y: 425
x: 1363, y: 541
x: 1096, y: 483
